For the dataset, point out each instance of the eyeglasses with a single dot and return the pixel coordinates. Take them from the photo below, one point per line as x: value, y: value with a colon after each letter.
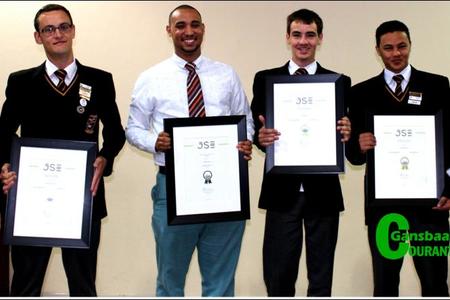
x: 51, y: 30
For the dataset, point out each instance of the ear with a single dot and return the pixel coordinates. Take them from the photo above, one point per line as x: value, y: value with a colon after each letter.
x: 378, y: 50
x: 37, y: 38
x: 320, y: 38
x: 168, y: 30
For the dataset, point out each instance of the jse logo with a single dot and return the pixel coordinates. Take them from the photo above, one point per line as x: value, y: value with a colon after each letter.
x: 206, y: 145
x: 52, y: 167
x: 304, y: 100
x: 403, y: 132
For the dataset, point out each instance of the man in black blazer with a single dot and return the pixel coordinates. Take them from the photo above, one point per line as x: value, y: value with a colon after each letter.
x: 314, y: 200
x: 60, y: 99
x: 416, y: 93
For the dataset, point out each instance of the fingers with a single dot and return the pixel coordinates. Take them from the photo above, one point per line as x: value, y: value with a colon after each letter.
x: 266, y: 136
x: 443, y: 204
x: 345, y: 128
x: 246, y: 148
x: 367, y: 141
x: 162, y: 142
x: 99, y: 167
x: 8, y: 178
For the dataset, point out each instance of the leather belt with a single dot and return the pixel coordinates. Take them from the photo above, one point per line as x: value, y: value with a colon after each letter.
x: 162, y: 170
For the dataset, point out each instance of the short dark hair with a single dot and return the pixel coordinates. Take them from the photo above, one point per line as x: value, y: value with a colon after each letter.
x: 391, y: 26
x: 306, y: 16
x: 47, y: 8
x: 183, y: 6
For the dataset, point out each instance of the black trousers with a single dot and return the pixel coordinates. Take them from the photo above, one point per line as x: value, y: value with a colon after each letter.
x: 432, y: 270
x: 283, y: 238
x: 80, y: 265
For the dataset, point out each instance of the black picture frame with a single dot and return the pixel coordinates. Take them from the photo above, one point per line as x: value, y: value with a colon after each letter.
x: 373, y: 201
x: 46, y: 145
x: 339, y: 88
x: 174, y: 218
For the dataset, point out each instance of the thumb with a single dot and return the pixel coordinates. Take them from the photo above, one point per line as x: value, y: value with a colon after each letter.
x: 262, y: 120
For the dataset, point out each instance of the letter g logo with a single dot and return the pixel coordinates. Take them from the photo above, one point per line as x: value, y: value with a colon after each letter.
x: 382, y: 236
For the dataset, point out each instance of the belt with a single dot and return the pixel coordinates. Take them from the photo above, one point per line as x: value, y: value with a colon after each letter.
x: 162, y: 170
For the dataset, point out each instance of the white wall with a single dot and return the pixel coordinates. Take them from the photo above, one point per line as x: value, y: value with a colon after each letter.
x: 126, y: 37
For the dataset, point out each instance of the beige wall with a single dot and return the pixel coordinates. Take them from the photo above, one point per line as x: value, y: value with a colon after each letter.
x: 126, y: 37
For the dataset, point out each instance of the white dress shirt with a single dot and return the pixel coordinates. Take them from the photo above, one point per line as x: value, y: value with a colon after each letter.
x: 71, y: 70
x: 388, y: 78
x: 160, y: 92
x: 311, y: 68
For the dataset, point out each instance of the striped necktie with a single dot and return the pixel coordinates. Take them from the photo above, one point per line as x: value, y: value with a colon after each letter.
x: 61, y: 74
x: 301, y: 71
x: 194, y: 92
x: 398, y: 88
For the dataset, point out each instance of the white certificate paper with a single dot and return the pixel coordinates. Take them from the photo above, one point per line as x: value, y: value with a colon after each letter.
x: 305, y: 115
x: 50, y: 193
x: 206, y: 164
x: 405, y: 157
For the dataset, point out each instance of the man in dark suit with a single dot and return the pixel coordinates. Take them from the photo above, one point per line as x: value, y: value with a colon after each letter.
x: 414, y: 92
x: 314, y: 200
x: 60, y: 99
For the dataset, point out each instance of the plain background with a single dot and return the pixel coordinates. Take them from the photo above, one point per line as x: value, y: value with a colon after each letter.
x: 127, y: 37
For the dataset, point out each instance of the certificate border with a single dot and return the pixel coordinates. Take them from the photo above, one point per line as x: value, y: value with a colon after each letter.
x: 84, y: 241
x: 338, y: 81
x: 244, y: 213
x: 440, y: 170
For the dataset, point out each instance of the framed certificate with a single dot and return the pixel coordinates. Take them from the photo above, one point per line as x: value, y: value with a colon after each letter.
x: 206, y: 175
x: 407, y: 165
x: 51, y: 202
x: 305, y: 110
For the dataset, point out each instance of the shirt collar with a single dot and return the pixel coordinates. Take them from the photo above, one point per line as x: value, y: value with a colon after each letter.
x: 406, y: 73
x: 311, y: 68
x: 71, y: 70
x: 181, y: 62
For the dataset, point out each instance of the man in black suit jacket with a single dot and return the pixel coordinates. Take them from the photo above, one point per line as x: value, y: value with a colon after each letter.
x: 70, y: 107
x: 315, y: 200
x: 417, y: 93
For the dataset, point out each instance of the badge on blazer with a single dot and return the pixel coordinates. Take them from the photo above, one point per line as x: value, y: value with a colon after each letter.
x: 83, y: 102
x: 415, y: 98
x: 85, y: 91
x: 90, y: 124
x: 80, y: 109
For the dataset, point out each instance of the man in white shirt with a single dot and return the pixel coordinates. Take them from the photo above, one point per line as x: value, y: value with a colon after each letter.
x: 159, y: 93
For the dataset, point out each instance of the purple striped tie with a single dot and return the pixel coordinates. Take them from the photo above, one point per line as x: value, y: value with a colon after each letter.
x: 194, y: 93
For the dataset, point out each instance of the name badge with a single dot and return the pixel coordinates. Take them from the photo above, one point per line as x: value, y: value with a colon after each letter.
x: 85, y: 91
x: 415, y: 98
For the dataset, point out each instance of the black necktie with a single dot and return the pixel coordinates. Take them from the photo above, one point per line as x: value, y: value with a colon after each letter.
x: 398, y: 88
x: 61, y: 74
x: 194, y: 93
x: 301, y: 71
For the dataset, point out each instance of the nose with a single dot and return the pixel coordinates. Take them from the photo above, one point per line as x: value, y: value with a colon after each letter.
x: 303, y: 39
x: 57, y: 32
x: 189, y: 30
